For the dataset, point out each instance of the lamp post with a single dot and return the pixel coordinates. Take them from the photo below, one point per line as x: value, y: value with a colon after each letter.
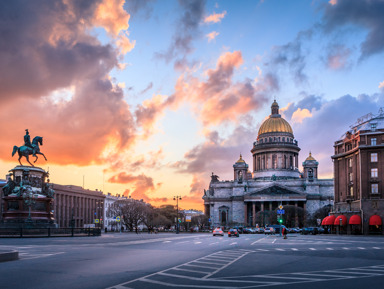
x: 177, y: 198
x: 100, y: 210
x: 29, y: 200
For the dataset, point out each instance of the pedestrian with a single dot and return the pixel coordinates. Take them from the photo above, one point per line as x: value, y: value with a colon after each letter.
x: 285, y: 233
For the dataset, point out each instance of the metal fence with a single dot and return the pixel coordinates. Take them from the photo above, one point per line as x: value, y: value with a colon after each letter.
x: 48, y: 232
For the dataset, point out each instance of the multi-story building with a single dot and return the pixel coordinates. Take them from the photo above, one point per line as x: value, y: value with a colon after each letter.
x: 359, y: 174
x: 111, y: 222
x: 75, y: 206
x: 276, y: 182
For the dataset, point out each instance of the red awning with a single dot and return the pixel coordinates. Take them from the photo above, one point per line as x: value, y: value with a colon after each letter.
x: 355, y: 220
x: 375, y: 220
x: 343, y: 220
x: 324, y: 220
x: 329, y: 220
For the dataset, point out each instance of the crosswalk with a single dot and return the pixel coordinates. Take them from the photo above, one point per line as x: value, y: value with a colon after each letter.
x: 200, y: 273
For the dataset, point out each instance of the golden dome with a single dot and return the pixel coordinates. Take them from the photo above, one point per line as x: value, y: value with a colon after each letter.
x: 275, y: 123
x: 310, y: 158
x: 240, y: 160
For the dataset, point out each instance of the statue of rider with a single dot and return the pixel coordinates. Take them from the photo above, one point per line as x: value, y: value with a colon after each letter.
x: 27, y: 142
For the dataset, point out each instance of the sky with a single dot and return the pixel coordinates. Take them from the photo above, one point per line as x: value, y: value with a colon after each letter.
x: 148, y: 98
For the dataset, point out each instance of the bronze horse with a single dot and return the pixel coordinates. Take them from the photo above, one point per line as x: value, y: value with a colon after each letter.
x: 25, y: 151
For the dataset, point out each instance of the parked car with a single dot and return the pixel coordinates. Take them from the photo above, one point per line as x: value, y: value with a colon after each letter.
x: 310, y: 231
x: 259, y: 230
x: 218, y: 232
x: 269, y: 231
x: 233, y: 232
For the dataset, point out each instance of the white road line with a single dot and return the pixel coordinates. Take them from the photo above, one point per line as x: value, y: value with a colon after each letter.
x: 194, y: 271
x: 279, y: 249
x: 274, y: 241
x: 225, y: 266
x: 258, y: 241
x: 294, y: 249
x: 330, y: 249
x: 377, y: 248
x: 197, y: 243
x: 345, y: 248
x: 199, y: 266
x: 183, y: 242
x: 312, y: 249
x: 233, y: 243
x: 167, y: 242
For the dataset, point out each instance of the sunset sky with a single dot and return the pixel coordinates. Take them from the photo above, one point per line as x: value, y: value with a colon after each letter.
x: 148, y: 98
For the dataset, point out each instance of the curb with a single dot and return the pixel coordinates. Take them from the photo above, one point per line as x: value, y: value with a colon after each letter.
x: 8, y: 255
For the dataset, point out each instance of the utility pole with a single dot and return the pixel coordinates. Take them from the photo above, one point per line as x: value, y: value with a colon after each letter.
x: 177, y: 198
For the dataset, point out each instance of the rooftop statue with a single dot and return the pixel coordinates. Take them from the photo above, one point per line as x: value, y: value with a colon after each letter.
x: 29, y: 148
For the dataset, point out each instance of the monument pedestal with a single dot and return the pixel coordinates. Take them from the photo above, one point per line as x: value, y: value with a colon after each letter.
x: 28, y: 199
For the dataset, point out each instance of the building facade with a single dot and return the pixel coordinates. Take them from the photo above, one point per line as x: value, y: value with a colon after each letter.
x: 359, y: 170
x: 252, y: 198
x: 78, y: 207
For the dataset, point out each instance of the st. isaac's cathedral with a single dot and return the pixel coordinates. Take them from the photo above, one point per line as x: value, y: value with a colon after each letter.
x: 252, y: 199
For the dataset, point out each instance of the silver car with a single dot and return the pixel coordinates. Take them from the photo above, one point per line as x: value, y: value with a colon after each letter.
x: 218, y: 232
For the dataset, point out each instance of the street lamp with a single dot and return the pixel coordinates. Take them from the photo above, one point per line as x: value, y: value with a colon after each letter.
x: 177, y: 198
x: 100, y: 210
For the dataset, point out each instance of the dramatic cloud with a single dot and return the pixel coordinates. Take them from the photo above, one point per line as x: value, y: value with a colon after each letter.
x: 215, y: 17
x: 55, y: 79
x: 141, y: 185
x: 187, y: 30
x: 211, y: 36
x: 292, y: 57
x: 381, y: 85
x: 365, y: 13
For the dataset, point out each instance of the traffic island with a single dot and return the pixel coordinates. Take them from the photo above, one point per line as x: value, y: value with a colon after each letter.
x: 6, y: 255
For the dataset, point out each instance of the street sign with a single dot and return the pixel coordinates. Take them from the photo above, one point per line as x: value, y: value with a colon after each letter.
x: 118, y: 219
x: 97, y: 221
x: 281, y: 212
x: 281, y: 207
x: 188, y: 218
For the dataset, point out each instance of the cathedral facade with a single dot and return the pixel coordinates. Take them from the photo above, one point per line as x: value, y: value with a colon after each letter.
x: 276, y: 184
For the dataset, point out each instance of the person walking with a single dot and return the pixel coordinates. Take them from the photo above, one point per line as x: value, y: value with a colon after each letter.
x: 284, y: 233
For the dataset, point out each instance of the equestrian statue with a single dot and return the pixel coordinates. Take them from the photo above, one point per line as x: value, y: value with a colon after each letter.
x: 29, y: 148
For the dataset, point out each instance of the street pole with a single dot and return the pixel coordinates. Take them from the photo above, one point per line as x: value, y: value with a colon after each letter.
x: 177, y: 198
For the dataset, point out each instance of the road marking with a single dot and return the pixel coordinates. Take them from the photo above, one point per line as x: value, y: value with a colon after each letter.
x: 233, y: 243
x: 377, y: 248
x: 197, y: 243
x: 345, y: 248
x: 279, y: 249
x: 330, y: 249
x: 225, y: 266
x: 361, y: 248
x: 274, y: 241
x: 167, y: 242
x: 294, y: 249
x: 258, y: 241
x: 313, y: 249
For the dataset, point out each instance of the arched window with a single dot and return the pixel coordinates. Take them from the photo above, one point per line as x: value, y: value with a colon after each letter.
x: 291, y: 162
x: 283, y: 139
x: 274, y: 161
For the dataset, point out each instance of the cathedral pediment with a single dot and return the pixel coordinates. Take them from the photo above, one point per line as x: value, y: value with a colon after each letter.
x: 275, y: 190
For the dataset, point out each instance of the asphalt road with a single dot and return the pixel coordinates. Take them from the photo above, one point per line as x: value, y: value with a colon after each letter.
x: 195, y: 261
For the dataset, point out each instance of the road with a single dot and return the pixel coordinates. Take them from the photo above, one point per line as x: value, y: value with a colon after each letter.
x: 195, y: 261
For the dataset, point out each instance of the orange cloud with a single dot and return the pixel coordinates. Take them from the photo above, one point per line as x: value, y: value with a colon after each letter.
x: 381, y: 85
x: 332, y: 2
x: 211, y: 36
x: 111, y: 16
x: 215, y: 17
x: 300, y: 114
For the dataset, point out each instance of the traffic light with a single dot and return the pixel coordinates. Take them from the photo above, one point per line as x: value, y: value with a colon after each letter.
x: 280, y: 219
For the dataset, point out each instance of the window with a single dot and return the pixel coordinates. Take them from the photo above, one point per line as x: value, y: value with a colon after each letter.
x: 373, y: 126
x: 350, y: 162
x: 274, y: 161
x: 374, y: 188
x: 351, y: 191
x: 374, y: 173
x: 373, y: 157
x: 373, y: 141
x: 283, y: 139
x: 350, y: 177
